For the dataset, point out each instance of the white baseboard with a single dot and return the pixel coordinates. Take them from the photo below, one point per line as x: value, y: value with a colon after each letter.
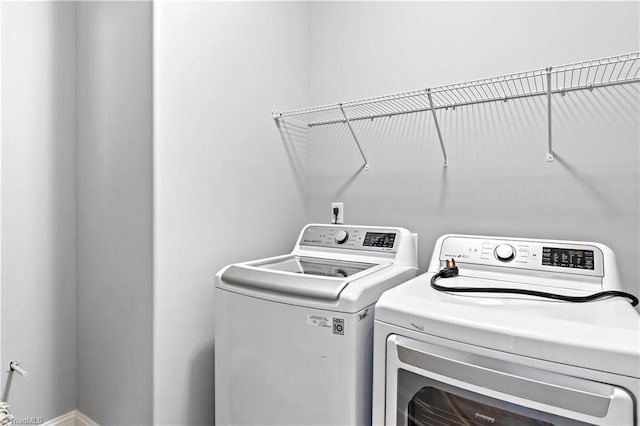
x: 68, y: 419
x: 72, y: 418
x: 83, y: 420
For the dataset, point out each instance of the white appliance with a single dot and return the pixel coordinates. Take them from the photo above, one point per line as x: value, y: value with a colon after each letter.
x: 294, y: 333
x: 442, y: 358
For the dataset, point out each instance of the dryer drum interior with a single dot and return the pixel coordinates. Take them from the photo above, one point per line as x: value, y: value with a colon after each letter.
x: 437, y: 403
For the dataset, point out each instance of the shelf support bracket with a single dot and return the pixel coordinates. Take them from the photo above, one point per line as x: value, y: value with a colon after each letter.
x: 355, y: 138
x: 435, y: 120
x: 549, y: 146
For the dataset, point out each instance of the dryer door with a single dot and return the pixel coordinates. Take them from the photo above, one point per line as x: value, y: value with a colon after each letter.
x: 434, y: 385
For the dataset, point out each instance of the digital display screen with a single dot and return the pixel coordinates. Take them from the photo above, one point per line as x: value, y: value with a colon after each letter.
x: 567, y: 258
x: 379, y: 239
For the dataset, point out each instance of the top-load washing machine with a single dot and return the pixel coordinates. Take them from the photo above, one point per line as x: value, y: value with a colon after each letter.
x: 489, y: 358
x: 294, y: 333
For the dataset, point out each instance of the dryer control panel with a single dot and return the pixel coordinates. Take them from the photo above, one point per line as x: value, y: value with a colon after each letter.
x: 354, y: 238
x: 550, y: 256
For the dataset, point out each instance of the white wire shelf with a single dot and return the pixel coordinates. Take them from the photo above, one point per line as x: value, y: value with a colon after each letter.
x: 585, y: 75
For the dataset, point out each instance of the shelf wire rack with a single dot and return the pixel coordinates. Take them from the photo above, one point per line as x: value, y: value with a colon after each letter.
x: 561, y: 79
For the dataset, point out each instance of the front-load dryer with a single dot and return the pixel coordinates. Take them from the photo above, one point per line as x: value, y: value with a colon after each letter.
x: 479, y: 358
x: 294, y: 333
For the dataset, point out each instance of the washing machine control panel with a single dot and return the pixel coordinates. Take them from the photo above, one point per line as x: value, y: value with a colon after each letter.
x: 552, y: 256
x: 355, y: 238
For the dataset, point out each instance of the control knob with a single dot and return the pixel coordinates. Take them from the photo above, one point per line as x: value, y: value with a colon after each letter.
x: 505, y: 252
x: 342, y: 236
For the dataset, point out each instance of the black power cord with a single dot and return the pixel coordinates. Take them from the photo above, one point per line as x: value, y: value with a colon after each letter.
x: 451, y: 270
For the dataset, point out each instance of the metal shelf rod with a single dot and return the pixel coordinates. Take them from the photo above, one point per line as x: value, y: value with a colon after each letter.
x: 481, y: 101
x: 506, y: 83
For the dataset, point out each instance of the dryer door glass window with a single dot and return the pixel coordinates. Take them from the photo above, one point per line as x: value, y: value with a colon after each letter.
x: 431, y: 406
x: 424, y: 401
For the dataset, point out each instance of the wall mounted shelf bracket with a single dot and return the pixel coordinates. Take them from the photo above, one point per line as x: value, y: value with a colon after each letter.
x: 355, y: 138
x: 435, y: 120
x: 549, y: 92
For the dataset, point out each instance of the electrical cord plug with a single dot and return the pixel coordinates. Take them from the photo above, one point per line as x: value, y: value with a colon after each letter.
x: 450, y: 269
x: 336, y: 211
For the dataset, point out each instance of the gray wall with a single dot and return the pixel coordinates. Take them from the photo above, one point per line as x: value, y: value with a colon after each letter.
x: 498, y: 182
x: 224, y: 190
x: 218, y: 184
x: 38, y: 206
x: 114, y: 216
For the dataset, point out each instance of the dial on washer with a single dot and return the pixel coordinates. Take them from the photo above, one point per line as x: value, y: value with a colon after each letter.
x: 342, y: 236
x: 505, y: 252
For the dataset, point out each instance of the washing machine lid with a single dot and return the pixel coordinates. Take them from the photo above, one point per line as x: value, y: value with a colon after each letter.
x: 320, y: 278
x: 602, y: 335
x: 305, y: 265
